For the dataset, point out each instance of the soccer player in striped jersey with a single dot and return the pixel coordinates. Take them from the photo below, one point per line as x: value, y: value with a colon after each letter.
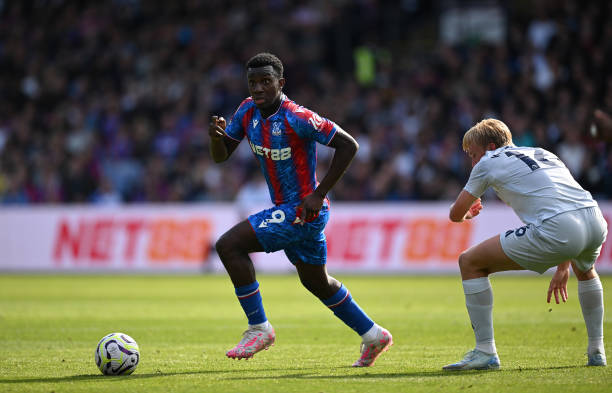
x: 283, y: 137
x: 563, y: 226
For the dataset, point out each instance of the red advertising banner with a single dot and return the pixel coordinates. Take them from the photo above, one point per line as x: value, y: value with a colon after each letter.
x: 143, y: 238
x: 362, y: 238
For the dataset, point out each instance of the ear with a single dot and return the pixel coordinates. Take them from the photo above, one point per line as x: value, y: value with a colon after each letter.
x: 281, y: 83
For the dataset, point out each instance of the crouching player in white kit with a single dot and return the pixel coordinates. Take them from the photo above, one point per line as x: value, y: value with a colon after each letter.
x: 563, y: 226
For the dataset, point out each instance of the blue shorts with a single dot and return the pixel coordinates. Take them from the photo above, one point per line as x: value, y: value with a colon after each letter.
x: 275, y: 229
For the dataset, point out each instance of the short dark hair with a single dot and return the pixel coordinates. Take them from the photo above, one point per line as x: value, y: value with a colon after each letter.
x: 264, y: 59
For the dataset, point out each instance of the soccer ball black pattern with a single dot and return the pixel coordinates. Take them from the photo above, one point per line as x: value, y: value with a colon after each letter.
x: 117, y: 354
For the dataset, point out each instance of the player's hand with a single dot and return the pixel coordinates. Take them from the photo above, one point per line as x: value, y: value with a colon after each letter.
x: 474, y: 209
x: 310, y: 207
x: 216, y: 128
x: 558, y: 285
x: 602, y: 126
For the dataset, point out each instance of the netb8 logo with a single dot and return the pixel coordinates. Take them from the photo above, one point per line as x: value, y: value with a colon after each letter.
x: 274, y: 154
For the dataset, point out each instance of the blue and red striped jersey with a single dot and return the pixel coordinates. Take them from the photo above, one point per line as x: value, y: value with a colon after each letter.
x: 284, y: 144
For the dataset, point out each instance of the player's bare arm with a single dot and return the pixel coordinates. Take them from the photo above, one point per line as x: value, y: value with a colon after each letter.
x: 345, y: 149
x: 466, y: 207
x: 221, y: 147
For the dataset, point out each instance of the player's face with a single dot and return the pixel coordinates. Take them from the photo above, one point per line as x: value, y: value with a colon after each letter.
x: 264, y: 86
x: 475, y: 152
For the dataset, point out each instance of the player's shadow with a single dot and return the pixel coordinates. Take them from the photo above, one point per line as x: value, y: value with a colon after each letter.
x: 110, y: 378
x: 419, y: 374
x: 280, y: 375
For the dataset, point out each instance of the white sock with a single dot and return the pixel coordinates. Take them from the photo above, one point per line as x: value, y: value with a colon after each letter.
x: 590, y: 294
x: 479, y: 303
x: 261, y: 326
x: 371, y: 334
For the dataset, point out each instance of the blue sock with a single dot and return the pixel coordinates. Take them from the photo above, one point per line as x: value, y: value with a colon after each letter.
x: 250, y: 300
x: 345, y: 308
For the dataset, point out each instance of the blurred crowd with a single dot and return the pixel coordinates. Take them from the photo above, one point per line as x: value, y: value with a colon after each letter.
x: 109, y: 101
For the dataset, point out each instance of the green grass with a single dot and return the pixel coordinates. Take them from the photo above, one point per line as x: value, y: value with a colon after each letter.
x: 50, y: 325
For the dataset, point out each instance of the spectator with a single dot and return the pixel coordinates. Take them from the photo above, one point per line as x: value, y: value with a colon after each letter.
x: 109, y: 100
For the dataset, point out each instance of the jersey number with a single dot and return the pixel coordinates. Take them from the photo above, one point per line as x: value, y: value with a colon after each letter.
x: 519, y: 231
x: 530, y: 162
x: 278, y: 216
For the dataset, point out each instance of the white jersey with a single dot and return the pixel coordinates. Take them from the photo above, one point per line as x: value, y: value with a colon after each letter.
x: 532, y: 181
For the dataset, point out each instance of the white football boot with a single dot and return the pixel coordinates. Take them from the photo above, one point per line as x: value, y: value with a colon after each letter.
x: 475, y: 360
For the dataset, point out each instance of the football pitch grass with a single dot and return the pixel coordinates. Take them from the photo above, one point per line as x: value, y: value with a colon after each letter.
x: 50, y: 325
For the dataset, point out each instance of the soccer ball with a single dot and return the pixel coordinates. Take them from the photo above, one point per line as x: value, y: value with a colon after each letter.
x: 117, y: 354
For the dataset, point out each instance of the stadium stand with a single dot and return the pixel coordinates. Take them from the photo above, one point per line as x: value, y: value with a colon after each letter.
x: 109, y: 102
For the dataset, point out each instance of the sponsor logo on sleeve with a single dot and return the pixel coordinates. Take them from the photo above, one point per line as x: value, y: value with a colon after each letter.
x: 316, y: 121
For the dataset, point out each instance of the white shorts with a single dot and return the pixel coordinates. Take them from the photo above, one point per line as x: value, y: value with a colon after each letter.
x: 576, y: 235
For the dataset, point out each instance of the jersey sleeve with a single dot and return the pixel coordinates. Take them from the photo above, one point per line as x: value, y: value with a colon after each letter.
x: 309, y: 125
x: 479, y: 180
x: 235, y: 129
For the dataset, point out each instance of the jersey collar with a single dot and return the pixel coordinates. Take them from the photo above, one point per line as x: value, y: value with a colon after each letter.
x: 283, y: 98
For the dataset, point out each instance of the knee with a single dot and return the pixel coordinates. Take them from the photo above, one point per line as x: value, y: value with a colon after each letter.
x: 225, y: 247
x: 583, y: 276
x: 470, y: 266
x: 464, y: 261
